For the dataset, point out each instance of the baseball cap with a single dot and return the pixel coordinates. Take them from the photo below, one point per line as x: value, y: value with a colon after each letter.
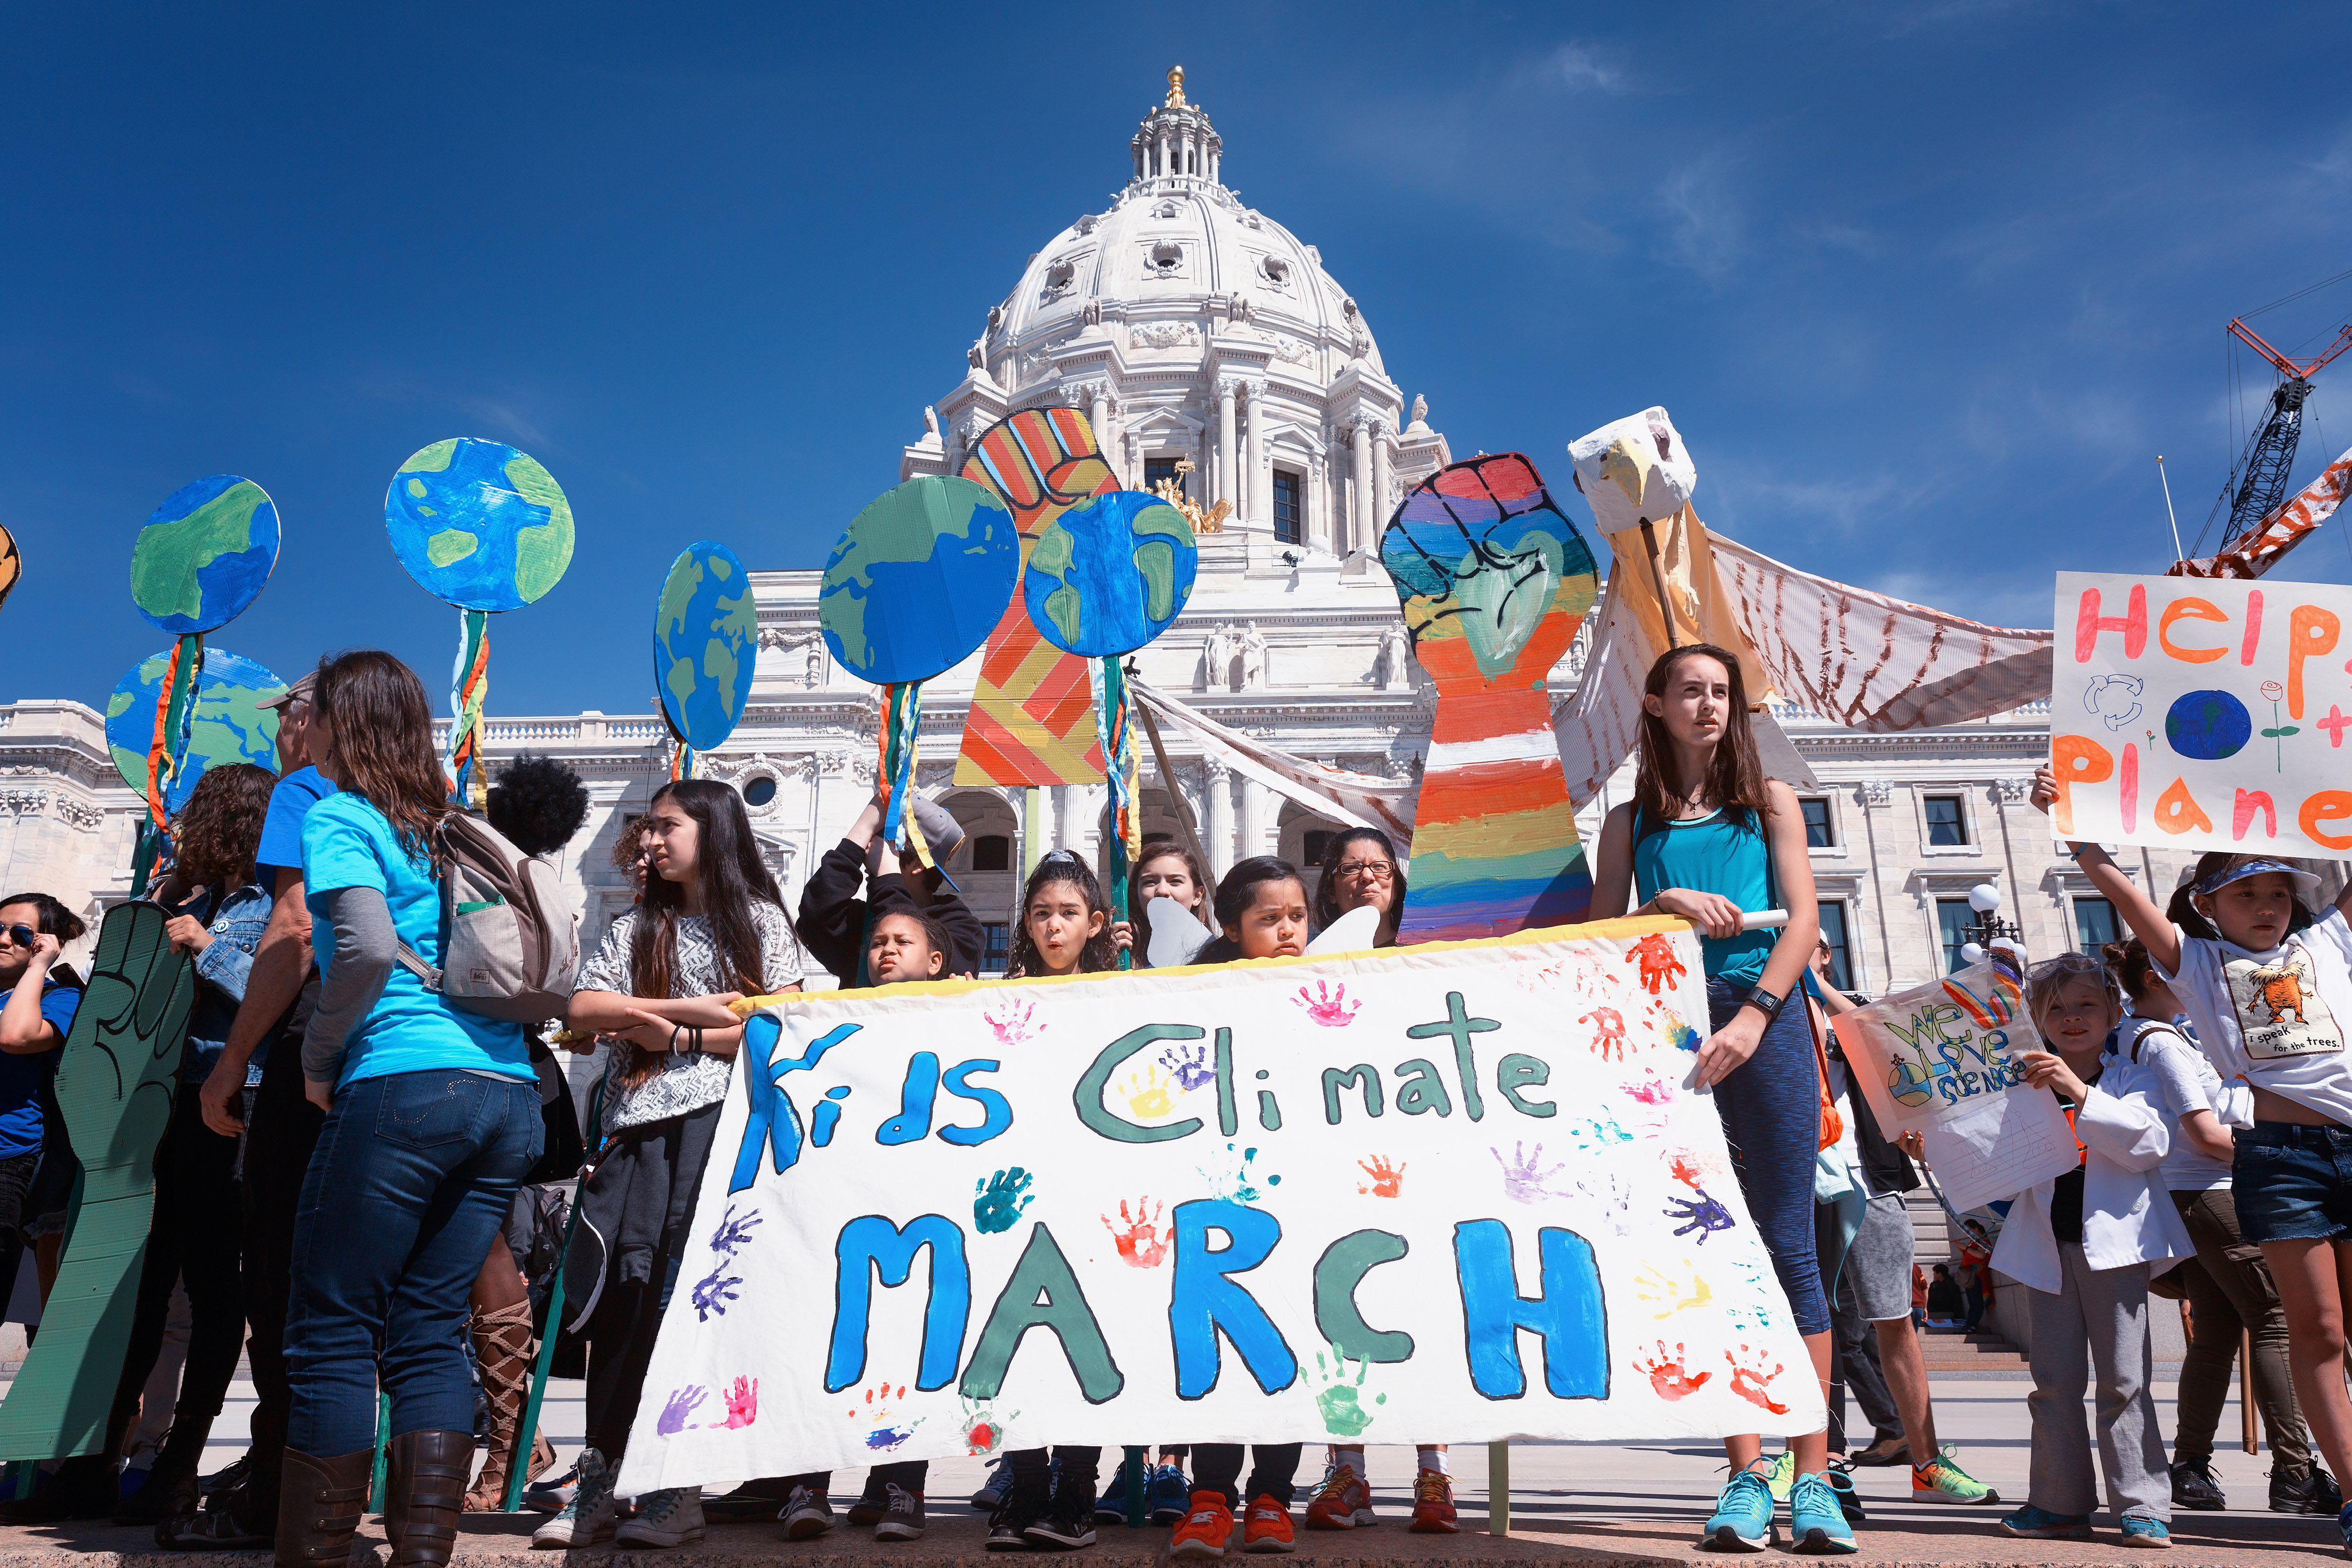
x: 300, y: 692
x: 2255, y: 865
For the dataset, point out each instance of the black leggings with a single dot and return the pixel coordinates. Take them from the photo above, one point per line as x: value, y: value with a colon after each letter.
x: 1032, y: 1469
x: 1275, y: 1474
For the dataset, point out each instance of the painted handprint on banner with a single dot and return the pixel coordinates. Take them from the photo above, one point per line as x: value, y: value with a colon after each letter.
x: 1675, y: 1290
x: 1524, y: 1178
x: 1608, y: 1033
x: 984, y: 1429
x: 1386, y: 1181
x: 743, y: 1402
x: 682, y: 1401
x: 733, y: 1234
x: 1650, y: 1089
x: 1659, y: 965
x: 714, y: 1295
x: 1341, y: 1400
x: 1752, y: 1381
x: 1612, y: 1197
x: 1189, y: 1063
x: 877, y: 1414
x: 1700, y: 1215
x: 1147, y: 1094
x: 1014, y: 1019
x: 1678, y: 1033
x: 1000, y: 1199
x: 1668, y: 1375
x: 1328, y: 1005
x: 1239, y: 1179
x: 1141, y: 1242
x: 1685, y: 1166
x: 1597, y: 1134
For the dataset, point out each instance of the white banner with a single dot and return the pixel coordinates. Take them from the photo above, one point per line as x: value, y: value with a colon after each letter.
x: 2202, y: 714
x: 1456, y: 1192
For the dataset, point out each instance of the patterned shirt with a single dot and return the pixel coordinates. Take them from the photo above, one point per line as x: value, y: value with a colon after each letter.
x: 683, y: 1083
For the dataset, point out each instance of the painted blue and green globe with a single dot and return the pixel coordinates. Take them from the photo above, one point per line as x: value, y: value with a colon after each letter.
x: 706, y: 640
x: 918, y: 579
x: 479, y: 524
x: 230, y: 725
x: 205, y: 555
x: 1108, y: 576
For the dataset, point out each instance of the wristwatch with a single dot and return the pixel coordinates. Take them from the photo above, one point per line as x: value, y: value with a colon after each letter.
x: 1764, y: 1002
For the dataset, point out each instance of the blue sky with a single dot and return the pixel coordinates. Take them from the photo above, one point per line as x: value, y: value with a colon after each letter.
x: 1925, y: 287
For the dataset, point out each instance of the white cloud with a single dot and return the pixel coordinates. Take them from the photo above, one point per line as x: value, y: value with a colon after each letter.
x: 1583, y: 69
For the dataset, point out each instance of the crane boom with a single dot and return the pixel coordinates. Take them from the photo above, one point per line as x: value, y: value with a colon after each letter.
x: 2258, y: 486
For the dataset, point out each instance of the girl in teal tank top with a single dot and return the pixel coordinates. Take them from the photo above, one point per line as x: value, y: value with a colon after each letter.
x: 1707, y: 837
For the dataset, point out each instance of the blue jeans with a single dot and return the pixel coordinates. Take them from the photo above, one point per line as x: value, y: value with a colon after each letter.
x: 2292, y: 1182
x: 412, y: 1176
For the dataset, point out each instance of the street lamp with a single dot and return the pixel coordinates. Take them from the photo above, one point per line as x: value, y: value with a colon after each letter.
x: 1987, y: 927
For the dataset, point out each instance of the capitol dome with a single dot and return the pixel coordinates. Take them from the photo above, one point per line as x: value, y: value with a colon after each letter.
x: 1205, y: 343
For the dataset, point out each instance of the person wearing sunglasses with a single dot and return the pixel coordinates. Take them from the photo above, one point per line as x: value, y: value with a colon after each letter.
x: 39, y: 1011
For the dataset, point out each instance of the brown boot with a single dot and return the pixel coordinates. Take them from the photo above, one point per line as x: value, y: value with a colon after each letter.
x: 423, y: 1493
x: 502, y: 1351
x: 318, y: 1506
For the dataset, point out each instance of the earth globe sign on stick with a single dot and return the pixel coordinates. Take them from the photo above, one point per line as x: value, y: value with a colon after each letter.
x: 12, y: 565
x: 705, y: 642
x: 478, y: 524
x: 205, y: 555
x: 228, y: 724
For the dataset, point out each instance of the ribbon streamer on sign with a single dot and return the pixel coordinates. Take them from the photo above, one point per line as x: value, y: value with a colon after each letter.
x: 176, y: 710
x: 1114, y: 724
x: 681, y: 758
x: 470, y: 683
x: 902, y: 717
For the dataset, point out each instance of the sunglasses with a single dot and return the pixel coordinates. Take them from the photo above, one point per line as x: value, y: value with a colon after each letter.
x: 20, y: 935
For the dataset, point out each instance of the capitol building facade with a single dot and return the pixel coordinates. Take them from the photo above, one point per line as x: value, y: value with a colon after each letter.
x: 1208, y: 345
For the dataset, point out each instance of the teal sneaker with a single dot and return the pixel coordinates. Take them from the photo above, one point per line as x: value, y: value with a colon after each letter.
x: 1783, y: 1476
x: 1816, y: 1521
x: 2033, y: 1523
x: 2138, y: 1531
x: 2344, y: 1527
x: 1742, y: 1521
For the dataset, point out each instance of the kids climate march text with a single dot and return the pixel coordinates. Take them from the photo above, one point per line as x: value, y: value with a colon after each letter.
x: 2202, y: 714
x: 1458, y: 1187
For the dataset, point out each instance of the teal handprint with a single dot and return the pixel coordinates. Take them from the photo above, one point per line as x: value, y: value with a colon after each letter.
x: 1341, y: 1401
x: 999, y: 1201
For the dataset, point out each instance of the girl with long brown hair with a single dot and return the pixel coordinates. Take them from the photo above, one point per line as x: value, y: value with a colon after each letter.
x: 432, y: 1120
x: 1709, y: 838
x: 709, y: 928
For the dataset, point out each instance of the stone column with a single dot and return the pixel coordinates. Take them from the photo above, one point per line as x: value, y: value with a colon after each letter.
x: 1163, y: 149
x: 1376, y: 517
x: 1258, y: 816
x: 1098, y: 416
x: 1219, y: 835
x: 1318, y: 502
x: 1228, y: 467
x: 1359, y: 506
x: 1256, y: 488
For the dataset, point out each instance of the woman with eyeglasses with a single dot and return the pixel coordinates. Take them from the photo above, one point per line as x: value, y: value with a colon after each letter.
x: 1359, y: 868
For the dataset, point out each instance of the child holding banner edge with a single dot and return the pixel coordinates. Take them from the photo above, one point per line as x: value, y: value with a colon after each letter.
x: 1709, y: 838
x: 2243, y: 956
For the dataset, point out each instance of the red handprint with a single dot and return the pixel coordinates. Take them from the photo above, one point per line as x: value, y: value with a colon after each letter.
x: 1686, y: 1169
x: 1138, y: 1238
x: 743, y: 1402
x: 1667, y: 1375
x: 1387, y: 1181
x: 1660, y: 967
x: 1329, y: 1005
x: 1751, y: 1381
x: 1609, y: 1037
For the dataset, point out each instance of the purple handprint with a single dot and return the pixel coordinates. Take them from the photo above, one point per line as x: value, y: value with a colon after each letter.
x: 733, y: 1235
x: 681, y: 1404
x: 1524, y: 1179
x: 1701, y: 1214
x: 714, y: 1294
x: 1190, y: 1066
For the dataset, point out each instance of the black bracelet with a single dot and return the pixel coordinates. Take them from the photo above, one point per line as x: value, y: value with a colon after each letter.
x: 1764, y: 1002
x: 694, y: 1039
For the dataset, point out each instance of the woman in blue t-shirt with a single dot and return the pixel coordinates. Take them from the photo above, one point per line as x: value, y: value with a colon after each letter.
x: 34, y: 1022
x: 1709, y: 838
x: 433, y: 1118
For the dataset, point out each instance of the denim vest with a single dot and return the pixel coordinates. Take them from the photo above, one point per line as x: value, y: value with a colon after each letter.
x: 237, y: 924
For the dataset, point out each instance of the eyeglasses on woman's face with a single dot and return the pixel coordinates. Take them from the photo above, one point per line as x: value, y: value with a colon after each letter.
x: 1365, y: 870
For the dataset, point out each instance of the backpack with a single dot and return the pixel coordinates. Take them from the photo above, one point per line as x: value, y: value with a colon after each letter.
x: 509, y: 933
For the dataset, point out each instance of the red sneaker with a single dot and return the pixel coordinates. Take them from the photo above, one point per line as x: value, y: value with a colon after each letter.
x: 1342, y: 1502
x: 1432, y: 1505
x: 1204, y: 1529
x: 1268, y: 1528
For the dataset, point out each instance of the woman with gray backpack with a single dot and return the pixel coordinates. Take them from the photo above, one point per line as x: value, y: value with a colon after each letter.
x: 432, y: 1120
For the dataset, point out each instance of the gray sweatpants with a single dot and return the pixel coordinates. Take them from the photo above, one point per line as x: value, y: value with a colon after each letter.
x: 2098, y: 1321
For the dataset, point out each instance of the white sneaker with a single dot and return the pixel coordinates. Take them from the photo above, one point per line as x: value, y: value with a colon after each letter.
x: 671, y: 1516
x: 589, y: 1517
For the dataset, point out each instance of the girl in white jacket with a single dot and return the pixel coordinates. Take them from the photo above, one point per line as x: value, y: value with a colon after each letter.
x: 2086, y: 1246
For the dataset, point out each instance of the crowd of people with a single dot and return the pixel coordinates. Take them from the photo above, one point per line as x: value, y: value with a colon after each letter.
x: 343, y: 1187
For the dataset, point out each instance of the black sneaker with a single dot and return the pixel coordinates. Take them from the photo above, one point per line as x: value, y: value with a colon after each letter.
x: 1064, y: 1527
x: 2313, y: 1491
x: 902, y: 1516
x: 808, y: 1514
x: 1008, y: 1531
x: 2194, y: 1486
x: 871, y: 1504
